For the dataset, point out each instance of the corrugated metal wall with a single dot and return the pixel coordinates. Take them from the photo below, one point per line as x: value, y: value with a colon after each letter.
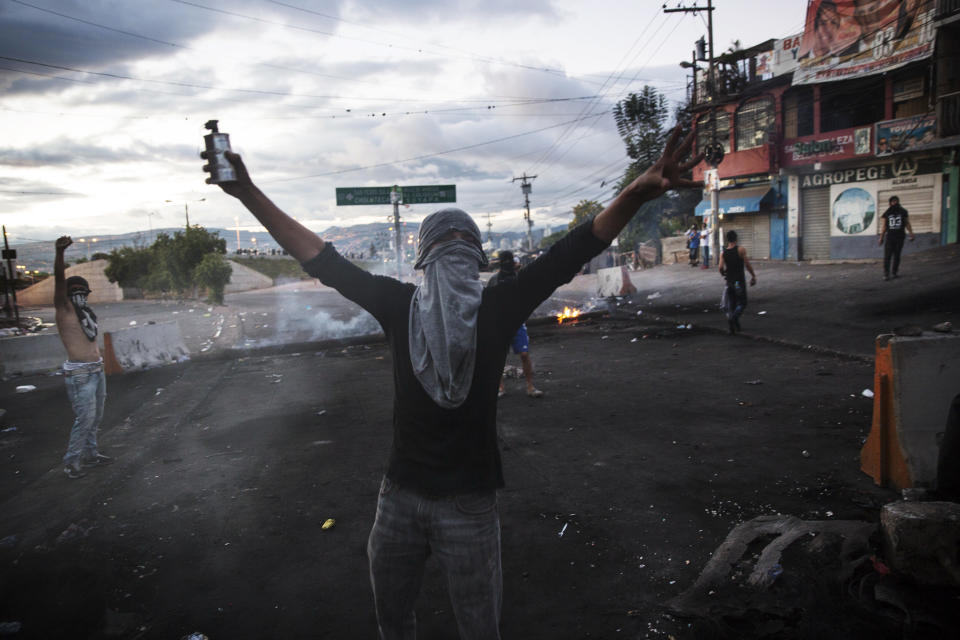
x: 753, y: 232
x: 917, y: 202
x: 815, y: 221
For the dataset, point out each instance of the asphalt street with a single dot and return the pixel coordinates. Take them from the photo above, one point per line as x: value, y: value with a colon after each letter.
x: 652, y: 442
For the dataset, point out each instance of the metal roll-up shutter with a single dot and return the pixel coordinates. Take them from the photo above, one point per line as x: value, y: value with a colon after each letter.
x: 743, y: 226
x: 753, y: 232
x: 917, y: 202
x: 761, y: 236
x: 815, y: 216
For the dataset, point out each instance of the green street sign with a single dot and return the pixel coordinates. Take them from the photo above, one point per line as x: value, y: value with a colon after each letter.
x: 409, y: 195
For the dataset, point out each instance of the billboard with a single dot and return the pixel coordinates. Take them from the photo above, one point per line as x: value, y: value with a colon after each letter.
x: 905, y: 134
x: 845, y: 39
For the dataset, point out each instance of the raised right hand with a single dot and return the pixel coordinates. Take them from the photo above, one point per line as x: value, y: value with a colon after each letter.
x: 63, y: 242
x: 242, y: 184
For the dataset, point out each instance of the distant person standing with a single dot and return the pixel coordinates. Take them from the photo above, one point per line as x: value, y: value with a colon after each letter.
x: 896, y: 224
x: 521, y: 340
x: 693, y: 243
x: 83, y: 371
x: 705, y: 241
x: 733, y: 261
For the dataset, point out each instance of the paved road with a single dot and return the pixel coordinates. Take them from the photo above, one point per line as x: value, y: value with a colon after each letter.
x: 650, y: 445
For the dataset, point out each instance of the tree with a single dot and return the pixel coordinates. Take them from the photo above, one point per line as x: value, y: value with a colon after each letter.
x: 129, y: 267
x: 213, y: 272
x: 583, y: 211
x: 169, y: 264
x: 179, y: 255
x: 641, y: 120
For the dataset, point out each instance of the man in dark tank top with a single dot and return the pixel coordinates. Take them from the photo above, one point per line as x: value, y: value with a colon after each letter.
x: 733, y: 261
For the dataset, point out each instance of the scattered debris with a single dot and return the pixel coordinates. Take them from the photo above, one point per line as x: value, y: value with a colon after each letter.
x: 26, y: 388
x: 328, y: 524
x: 867, y: 393
x: 943, y: 327
x: 196, y: 635
x: 653, y: 296
x: 754, y: 382
x: 563, y: 530
x: 321, y: 412
x: 805, y: 453
x: 73, y: 532
x: 133, y: 323
x: 9, y: 628
x: 761, y: 313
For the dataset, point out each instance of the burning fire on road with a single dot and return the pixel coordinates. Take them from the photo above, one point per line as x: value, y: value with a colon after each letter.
x: 568, y: 314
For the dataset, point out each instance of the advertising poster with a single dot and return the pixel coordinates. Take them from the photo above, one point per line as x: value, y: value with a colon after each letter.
x: 905, y: 134
x: 845, y: 39
x: 853, y: 210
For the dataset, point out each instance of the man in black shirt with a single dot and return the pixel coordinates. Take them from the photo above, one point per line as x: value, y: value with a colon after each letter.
x: 733, y: 260
x: 896, y: 222
x: 448, y: 338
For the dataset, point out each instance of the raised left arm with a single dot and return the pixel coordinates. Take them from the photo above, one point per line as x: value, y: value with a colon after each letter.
x: 664, y: 175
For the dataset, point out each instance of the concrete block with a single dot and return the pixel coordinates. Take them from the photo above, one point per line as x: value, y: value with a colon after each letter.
x: 922, y: 541
x: 143, y: 346
x: 614, y: 281
x: 35, y: 353
x: 915, y: 382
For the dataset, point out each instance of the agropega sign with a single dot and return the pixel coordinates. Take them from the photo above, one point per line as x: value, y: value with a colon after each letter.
x: 900, y: 168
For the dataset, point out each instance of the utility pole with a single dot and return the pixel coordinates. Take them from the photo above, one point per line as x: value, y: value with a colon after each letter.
x: 526, y: 188
x: 396, y: 197
x: 9, y: 255
x: 714, y: 150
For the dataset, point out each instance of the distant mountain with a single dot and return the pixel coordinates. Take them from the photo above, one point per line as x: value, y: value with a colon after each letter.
x: 355, y: 240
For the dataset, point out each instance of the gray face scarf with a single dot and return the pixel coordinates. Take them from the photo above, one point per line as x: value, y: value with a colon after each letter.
x: 86, y: 316
x: 444, y: 308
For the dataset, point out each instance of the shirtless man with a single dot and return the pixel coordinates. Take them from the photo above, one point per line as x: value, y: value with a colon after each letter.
x: 83, y: 370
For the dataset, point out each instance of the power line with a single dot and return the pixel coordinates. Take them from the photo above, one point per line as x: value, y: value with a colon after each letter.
x: 421, y: 157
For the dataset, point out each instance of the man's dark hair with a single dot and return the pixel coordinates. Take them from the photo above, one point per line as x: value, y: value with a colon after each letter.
x: 894, y: 200
x: 731, y: 236
x: 505, y: 258
x: 77, y: 281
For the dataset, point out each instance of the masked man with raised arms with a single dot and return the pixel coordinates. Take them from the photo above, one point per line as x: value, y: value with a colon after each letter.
x: 449, y: 339
x: 83, y: 370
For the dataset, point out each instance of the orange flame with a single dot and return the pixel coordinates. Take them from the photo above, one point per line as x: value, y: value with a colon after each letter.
x: 567, y: 314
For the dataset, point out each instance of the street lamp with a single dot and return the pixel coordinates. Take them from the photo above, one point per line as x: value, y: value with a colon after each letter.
x: 86, y: 242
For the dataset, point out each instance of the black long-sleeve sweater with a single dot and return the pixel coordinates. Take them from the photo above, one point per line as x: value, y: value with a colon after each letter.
x: 445, y: 452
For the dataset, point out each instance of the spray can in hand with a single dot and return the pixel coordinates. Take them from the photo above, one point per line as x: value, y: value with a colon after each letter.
x: 216, y: 143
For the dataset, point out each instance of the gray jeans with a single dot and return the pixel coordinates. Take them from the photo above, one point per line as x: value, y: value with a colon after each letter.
x: 87, y: 390
x: 464, y: 534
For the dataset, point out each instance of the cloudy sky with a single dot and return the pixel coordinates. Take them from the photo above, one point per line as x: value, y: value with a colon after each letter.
x: 103, y: 102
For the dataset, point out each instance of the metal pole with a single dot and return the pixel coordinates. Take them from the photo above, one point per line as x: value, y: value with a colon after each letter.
x: 715, y: 194
x: 395, y: 197
x: 526, y: 199
x: 12, y: 278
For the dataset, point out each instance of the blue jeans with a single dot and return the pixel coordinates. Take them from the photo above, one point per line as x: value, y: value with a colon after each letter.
x: 87, y: 390
x: 735, y: 299
x: 464, y: 534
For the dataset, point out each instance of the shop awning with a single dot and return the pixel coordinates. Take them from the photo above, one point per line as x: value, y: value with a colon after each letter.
x: 745, y: 200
